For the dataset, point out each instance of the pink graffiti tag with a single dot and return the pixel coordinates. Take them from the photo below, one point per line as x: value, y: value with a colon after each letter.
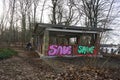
x: 59, y: 50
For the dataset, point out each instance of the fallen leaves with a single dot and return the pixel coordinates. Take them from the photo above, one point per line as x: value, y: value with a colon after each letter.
x: 26, y: 68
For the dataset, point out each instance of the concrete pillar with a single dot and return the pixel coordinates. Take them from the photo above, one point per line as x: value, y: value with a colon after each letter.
x: 45, y: 42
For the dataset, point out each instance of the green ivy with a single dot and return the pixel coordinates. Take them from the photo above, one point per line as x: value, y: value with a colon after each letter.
x: 7, y: 53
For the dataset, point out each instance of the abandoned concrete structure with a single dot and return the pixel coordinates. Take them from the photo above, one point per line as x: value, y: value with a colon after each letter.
x: 61, y: 40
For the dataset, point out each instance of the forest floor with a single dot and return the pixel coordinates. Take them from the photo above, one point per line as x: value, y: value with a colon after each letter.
x: 29, y: 66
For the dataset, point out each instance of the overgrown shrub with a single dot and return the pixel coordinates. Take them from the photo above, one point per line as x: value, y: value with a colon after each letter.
x: 7, y: 53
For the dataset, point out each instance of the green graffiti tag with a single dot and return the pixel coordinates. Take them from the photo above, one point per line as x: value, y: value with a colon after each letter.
x: 85, y: 50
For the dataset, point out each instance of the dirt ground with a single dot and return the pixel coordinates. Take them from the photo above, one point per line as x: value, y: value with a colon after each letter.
x: 28, y: 66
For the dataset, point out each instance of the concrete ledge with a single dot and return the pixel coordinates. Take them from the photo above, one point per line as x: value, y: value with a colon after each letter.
x: 66, y: 56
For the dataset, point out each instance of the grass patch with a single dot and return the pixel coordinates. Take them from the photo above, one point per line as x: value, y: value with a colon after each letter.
x: 7, y: 53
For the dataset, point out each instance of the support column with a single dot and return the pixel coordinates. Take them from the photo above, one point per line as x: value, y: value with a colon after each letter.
x: 45, y: 42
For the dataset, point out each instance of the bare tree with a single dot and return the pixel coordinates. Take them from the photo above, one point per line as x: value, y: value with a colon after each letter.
x: 36, y: 2
x: 97, y: 12
x: 42, y: 10
x: 91, y: 10
x: 64, y: 12
x: 54, y: 3
x: 72, y: 15
x: 24, y: 7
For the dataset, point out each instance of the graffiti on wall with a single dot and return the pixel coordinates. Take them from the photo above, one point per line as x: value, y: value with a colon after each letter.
x: 85, y: 49
x: 54, y: 50
x: 59, y: 50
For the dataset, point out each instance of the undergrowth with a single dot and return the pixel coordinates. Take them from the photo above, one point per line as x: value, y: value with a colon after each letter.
x: 7, y: 53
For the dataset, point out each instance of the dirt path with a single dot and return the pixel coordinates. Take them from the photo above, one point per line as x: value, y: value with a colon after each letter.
x: 23, y: 67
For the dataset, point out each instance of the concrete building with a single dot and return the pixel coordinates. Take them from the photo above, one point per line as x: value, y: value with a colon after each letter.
x: 62, y: 40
